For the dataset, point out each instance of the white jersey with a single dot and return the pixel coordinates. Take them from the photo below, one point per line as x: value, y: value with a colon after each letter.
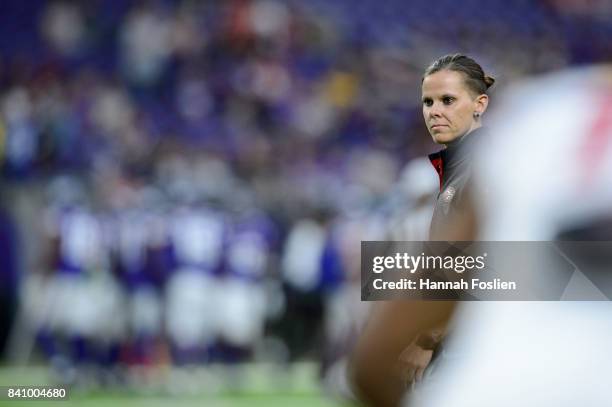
x: 549, y: 164
x: 547, y: 167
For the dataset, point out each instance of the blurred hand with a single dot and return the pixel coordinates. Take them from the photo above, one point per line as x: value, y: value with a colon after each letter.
x: 417, y: 356
x: 413, y: 362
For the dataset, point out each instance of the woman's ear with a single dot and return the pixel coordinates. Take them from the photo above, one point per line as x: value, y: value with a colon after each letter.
x: 481, y: 104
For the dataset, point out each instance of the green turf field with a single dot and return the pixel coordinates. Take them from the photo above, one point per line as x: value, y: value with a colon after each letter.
x: 252, y: 385
x: 312, y: 400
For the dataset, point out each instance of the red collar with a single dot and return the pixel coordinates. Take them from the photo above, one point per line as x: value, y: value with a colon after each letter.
x: 438, y: 164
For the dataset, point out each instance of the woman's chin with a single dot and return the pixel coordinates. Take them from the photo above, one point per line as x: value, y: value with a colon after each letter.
x: 443, y: 138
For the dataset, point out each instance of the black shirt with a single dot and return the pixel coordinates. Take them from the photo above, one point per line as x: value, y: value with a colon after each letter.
x: 454, y: 167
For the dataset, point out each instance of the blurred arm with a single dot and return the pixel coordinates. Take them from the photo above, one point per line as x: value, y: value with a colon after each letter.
x: 375, y: 367
x: 377, y: 372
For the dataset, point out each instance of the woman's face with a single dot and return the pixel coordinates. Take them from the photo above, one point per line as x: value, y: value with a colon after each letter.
x: 449, y: 107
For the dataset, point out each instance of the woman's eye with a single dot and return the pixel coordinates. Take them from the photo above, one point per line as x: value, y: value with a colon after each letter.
x: 428, y: 102
x: 447, y: 100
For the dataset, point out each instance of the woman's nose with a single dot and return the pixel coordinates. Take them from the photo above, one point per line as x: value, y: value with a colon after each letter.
x: 434, y: 111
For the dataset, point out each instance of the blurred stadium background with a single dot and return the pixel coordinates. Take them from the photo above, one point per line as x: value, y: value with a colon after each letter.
x: 184, y: 185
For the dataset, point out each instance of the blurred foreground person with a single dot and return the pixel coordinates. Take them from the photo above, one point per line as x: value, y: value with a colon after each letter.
x: 550, y: 178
